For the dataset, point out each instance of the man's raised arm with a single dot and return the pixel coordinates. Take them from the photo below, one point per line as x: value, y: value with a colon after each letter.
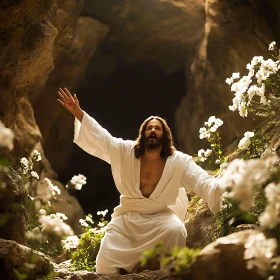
x: 88, y: 133
x: 70, y: 103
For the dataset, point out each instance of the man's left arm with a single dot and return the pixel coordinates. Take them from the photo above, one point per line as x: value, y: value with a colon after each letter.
x: 204, y: 185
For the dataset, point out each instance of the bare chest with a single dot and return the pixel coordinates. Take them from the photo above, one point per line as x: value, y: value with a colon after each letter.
x: 150, y: 174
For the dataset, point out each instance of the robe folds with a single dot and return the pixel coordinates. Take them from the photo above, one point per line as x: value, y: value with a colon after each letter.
x: 138, y: 223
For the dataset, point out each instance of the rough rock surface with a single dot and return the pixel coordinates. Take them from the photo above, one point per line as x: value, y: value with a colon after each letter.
x: 69, y: 69
x: 200, y: 225
x: 165, y: 31
x: 33, y: 34
x: 218, y: 56
x: 220, y: 260
x: 16, y: 256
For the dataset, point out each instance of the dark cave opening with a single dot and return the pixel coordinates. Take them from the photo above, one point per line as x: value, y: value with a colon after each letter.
x: 120, y: 101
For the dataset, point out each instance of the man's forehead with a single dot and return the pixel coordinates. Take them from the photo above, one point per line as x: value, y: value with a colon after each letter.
x: 154, y: 122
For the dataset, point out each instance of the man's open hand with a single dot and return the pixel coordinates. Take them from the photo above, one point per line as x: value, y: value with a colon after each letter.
x: 70, y: 103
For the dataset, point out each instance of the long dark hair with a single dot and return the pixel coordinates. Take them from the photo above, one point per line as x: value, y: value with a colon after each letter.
x: 167, y: 141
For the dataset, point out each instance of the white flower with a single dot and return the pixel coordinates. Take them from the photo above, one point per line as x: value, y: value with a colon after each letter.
x: 35, y: 234
x: 46, y: 190
x: 71, y: 242
x: 78, y: 181
x: 83, y: 223
x: 258, y: 253
x: 243, y: 183
x: 245, y: 142
x: 35, y: 175
x: 55, y: 223
x: 100, y: 224
x: 271, y: 46
x: 42, y: 211
x: 89, y: 219
x: 229, y: 81
x: 24, y: 165
x: 6, y: 137
x: 236, y: 75
x: 102, y: 213
x: 35, y: 155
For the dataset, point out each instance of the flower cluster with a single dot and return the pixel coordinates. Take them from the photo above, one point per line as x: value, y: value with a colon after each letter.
x: 71, y: 242
x: 270, y: 218
x: 78, y: 181
x: 46, y: 190
x: 212, y: 125
x: 211, y: 134
x: 259, y: 70
x: 6, y: 137
x: 204, y: 154
x: 245, y: 141
x: 243, y: 183
x: 258, y: 252
x: 84, y: 249
x: 55, y: 223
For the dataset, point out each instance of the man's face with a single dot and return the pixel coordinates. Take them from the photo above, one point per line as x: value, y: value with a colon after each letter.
x: 153, y: 134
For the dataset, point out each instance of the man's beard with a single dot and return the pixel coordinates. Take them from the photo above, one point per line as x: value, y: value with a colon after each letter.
x: 153, y: 145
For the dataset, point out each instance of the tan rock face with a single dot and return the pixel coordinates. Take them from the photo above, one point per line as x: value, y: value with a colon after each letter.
x: 32, y: 35
x: 219, y: 55
x: 224, y: 259
x: 166, y: 31
x: 200, y: 225
x: 55, y: 123
x: 14, y: 256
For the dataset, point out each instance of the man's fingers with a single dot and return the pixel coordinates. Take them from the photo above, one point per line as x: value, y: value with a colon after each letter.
x: 60, y: 95
x: 63, y: 93
x: 76, y: 99
x: 61, y: 102
x: 69, y: 94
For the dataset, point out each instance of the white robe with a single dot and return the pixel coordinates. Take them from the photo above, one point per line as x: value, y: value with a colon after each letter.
x: 138, y: 223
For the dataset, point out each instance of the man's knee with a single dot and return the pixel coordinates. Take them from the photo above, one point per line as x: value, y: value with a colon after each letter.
x: 175, y: 228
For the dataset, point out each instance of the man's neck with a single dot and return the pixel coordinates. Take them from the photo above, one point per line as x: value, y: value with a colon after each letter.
x: 152, y: 154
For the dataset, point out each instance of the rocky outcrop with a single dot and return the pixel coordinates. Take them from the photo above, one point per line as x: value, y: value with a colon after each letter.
x: 33, y: 37
x: 28, y: 263
x: 200, y: 225
x: 218, y: 56
x: 163, y: 31
x: 224, y: 259
x: 220, y: 260
x: 69, y: 69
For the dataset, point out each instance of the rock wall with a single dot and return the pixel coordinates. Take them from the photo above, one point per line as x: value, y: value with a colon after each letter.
x: 235, y: 31
x: 34, y: 36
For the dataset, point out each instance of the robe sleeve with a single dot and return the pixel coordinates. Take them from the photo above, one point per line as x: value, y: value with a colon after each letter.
x: 204, y: 185
x: 93, y: 138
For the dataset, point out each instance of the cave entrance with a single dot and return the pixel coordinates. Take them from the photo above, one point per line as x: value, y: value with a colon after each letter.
x: 120, y: 95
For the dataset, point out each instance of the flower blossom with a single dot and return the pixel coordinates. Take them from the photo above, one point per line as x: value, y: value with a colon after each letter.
x: 242, y: 182
x: 35, y: 175
x: 270, y: 218
x: 259, y: 71
x: 204, y: 154
x: 46, y: 190
x: 24, y: 165
x: 245, y: 142
x: 78, y: 181
x: 55, y: 223
x: 211, y: 126
x: 102, y: 213
x: 258, y: 253
x: 71, y: 242
x: 271, y: 46
x: 35, y: 155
